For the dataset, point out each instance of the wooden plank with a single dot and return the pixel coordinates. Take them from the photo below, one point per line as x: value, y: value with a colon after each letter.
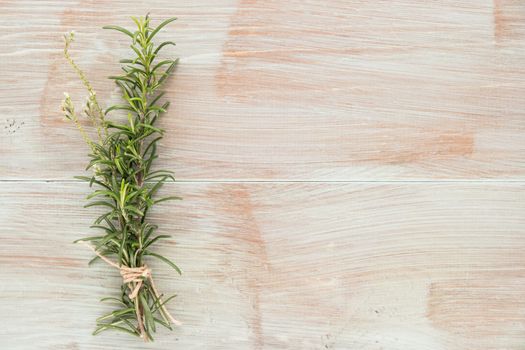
x: 282, y: 266
x: 285, y: 89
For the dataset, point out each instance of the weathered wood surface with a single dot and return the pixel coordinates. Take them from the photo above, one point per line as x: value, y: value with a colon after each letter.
x: 337, y: 90
x: 283, y: 266
x: 353, y: 174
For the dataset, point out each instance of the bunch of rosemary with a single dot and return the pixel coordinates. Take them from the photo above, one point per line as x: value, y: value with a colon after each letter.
x: 121, y: 159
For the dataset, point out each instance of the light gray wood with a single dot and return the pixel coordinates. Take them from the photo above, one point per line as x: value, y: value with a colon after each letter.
x: 280, y: 89
x: 282, y: 266
x: 352, y: 174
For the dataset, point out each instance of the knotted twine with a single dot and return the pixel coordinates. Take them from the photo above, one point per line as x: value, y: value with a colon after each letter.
x: 135, y: 275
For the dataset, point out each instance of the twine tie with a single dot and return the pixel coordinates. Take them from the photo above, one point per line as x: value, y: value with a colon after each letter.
x: 135, y: 275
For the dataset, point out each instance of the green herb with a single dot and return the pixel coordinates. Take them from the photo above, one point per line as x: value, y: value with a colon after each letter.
x: 125, y: 186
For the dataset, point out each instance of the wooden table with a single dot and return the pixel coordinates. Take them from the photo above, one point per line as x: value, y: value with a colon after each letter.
x: 352, y: 174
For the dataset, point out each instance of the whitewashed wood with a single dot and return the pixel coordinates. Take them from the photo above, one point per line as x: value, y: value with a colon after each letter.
x: 293, y: 90
x: 285, y: 89
x: 283, y: 266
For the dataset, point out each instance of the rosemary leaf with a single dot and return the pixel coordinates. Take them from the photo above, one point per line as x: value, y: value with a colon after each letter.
x: 121, y: 158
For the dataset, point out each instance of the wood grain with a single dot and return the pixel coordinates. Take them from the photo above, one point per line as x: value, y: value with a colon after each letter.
x: 279, y: 90
x: 284, y: 266
x: 352, y: 174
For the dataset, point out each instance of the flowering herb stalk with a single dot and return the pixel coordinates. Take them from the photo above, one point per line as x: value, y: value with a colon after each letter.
x: 124, y: 184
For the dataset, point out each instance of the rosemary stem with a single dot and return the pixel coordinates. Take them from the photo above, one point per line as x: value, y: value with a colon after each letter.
x: 122, y: 159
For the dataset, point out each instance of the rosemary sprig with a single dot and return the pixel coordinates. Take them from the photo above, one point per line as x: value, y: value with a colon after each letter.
x: 121, y: 160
